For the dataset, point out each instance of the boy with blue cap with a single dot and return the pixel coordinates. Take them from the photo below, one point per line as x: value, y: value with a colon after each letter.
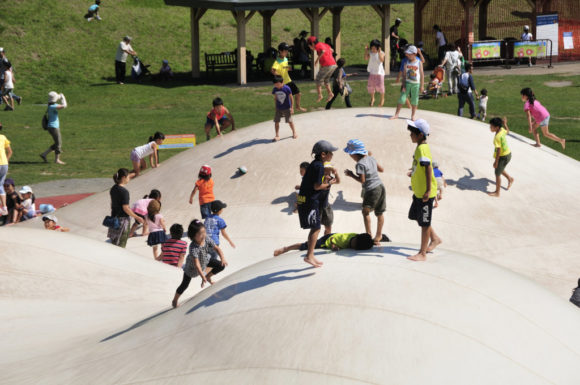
x: 373, y: 189
x: 424, y: 187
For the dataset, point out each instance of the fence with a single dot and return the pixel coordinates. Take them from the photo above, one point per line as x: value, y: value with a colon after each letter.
x: 511, y: 51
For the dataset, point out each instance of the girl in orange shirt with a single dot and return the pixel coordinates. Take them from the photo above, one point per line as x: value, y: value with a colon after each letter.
x: 205, y: 186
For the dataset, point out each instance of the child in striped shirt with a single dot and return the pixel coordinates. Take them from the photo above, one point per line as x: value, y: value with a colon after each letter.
x: 173, y: 250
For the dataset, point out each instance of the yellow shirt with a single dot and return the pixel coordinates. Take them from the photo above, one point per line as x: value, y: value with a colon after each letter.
x: 500, y: 141
x: 422, y: 159
x: 341, y: 240
x: 282, y: 67
x: 4, y: 144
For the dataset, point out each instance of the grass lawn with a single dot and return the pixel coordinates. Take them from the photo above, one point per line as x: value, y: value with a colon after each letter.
x: 54, y: 48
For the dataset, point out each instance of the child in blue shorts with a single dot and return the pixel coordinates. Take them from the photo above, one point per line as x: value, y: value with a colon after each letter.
x: 220, y: 117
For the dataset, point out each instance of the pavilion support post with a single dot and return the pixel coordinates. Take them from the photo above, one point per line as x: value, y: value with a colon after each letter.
x: 384, y: 12
x: 418, y: 19
x: 195, y: 16
x: 467, y: 38
x: 242, y: 20
x: 314, y: 16
x: 267, y: 28
x: 336, y: 34
x: 483, y: 7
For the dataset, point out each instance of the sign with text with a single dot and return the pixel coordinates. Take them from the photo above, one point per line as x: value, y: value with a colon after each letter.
x: 178, y: 141
x: 486, y: 50
x: 547, y: 28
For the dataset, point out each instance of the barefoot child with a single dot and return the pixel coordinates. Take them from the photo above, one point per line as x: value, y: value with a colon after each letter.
x: 413, y: 79
x: 139, y: 154
x: 156, y: 226
x: 424, y: 188
x: 376, y: 70
x: 373, y: 189
x: 140, y: 209
x: 173, y: 250
x: 199, y: 261
x: 309, y: 197
x: 538, y: 116
x: 220, y: 117
x: 284, y: 103
x: 303, y: 167
x: 214, y: 224
x: 281, y: 68
x: 333, y: 242
x: 205, y: 186
x: 502, y: 155
x: 327, y: 66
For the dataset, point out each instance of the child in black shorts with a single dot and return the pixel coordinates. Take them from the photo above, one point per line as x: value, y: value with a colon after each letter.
x: 310, y: 197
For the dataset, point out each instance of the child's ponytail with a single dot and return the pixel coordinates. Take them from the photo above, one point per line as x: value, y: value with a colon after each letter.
x: 154, y: 194
x: 157, y: 135
x: 120, y: 174
x: 527, y: 92
x: 153, y: 209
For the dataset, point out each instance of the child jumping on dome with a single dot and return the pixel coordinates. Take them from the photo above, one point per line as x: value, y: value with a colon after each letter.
x: 373, y: 189
x: 424, y: 188
x: 205, y: 186
x: 538, y: 116
x: 502, y: 154
x: 334, y: 242
x: 139, y: 154
x: 220, y: 117
x: 199, y: 260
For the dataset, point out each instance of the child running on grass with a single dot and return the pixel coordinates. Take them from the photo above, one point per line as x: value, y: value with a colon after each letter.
x: 139, y: 154
x: 502, y: 154
x: 373, y: 189
x: 538, y: 116
x: 199, y: 260
x: 205, y: 186
x: 284, y: 104
x: 220, y: 117
x: 309, y: 197
x: 376, y: 70
x: 334, y: 242
x: 173, y: 250
x: 424, y: 188
x: 156, y: 226
x: 413, y: 79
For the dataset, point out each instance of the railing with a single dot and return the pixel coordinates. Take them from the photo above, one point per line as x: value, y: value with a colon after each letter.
x: 508, y: 50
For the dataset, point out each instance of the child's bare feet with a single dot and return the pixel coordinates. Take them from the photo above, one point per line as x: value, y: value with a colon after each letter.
x: 276, y: 138
x: 295, y: 136
x: 174, y: 303
x: 329, y: 98
x: 434, y: 243
x: 279, y: 251
x: 493, y: 194
x: 319, y: 98
x: 563, y: 143
x: 537, y: 145
x: 510, y: 182
x: 394, y: 117
x: 372, y: 102
x: 313, y: 261
x: 302, y: 109
x: 377, y: 241
x: 418, y: 257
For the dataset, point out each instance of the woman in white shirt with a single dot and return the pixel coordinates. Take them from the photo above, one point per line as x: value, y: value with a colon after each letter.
x: 7, y: 87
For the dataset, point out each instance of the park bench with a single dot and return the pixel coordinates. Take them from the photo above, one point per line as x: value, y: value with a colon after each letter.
x: 225, y: 60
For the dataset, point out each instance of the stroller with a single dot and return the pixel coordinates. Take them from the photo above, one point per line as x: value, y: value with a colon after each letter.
x: 434, y: 88
x: 139, y: 70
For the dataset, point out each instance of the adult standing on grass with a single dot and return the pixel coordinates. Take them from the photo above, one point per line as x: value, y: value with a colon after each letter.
x: 54, y: 125
x: 123, y: 50
x: 440, y: 41
x: 120, y: 209
x: 327, y: 66
x: 5, y: 154
x: 7, y: 87
x: 466, y: 88
x: 394, y: 42
x: 3, y: 66
x: 452, y: 64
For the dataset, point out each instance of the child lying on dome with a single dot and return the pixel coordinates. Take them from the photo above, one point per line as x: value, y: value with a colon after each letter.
x: 334, y: 242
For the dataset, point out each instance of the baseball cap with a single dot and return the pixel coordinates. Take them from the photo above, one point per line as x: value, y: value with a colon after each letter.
x: 526, y: 27
x: 49, y: 218
x: 8, y: 182
x: 398, y: 20
x: 421, y: 125
x: 355, y: 146
x: 205, y: 170
x: 165, y: 61
x: 127, y: 38
x: 411, y: 49
x: 435, y: 164
x: 1, y: 49
x: 283, y: 46
x: 25, y: 190
x: 323, y: 146
x: 217, y: 206
x: 311, y: 39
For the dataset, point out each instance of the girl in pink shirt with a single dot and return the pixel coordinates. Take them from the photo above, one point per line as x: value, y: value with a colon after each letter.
x: 156, y: 225
x: 140, y: 208
x: 541, y: 118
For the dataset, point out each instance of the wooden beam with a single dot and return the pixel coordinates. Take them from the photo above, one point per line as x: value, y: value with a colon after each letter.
x: 384, y: 12
x: 307, y: 13
x: 336, y: 34
x: 267, y: 28
x: 240, y: 17
x: 418, y: 19
x: 195, y: 16
x: 469, y: 11
x: 483, y: 7
x: 323, y: 12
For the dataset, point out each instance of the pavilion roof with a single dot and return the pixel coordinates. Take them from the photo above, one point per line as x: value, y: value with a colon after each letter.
x: 258, y: 5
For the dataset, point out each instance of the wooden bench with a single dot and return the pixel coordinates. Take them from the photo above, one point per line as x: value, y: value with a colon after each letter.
x: 226, y: 60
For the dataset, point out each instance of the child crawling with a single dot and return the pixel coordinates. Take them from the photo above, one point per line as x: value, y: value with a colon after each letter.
x: 335, y: 242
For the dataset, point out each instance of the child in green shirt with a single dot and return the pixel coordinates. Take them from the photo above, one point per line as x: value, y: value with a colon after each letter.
x: 424, y: 188
x: 334, y: 242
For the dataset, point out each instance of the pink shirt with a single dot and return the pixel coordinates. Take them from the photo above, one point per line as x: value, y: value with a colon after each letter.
x: 140, y: 207
x: 155, y: 226
x: 538, y: 111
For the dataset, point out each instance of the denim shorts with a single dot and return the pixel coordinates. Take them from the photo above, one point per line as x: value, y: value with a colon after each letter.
x: 545, y: 122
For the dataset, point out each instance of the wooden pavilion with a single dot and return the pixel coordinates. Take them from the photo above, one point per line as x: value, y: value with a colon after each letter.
x: 314, y: 10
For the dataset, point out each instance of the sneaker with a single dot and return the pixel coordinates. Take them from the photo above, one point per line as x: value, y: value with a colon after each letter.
x: 4, y: 211
x: 8, y: 108
x: 98, y: 17
x: 43, y: 158
x: 19, y: 101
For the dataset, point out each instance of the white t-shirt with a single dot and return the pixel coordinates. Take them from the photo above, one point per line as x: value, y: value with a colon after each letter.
x: 144, y: 150
x: 527, y: 36
x: 9, y: 84
x: 452, y: 58
x: 375, y: 67
x: 121, y: 54
x: 440, y: 39
x: 483, y: 102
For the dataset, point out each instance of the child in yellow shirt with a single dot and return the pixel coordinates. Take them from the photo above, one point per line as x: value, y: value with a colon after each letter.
x: 502, y: 153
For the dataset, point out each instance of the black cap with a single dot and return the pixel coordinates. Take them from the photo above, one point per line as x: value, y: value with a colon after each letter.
x: 323, y: 146
x: 283, y: 47
x: 217, y: 206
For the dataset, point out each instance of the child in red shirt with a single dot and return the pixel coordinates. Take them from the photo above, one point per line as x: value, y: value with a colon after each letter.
x: 215, y: 117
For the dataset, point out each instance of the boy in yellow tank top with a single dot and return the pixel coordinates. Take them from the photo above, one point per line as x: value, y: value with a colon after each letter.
x: 501, y: 154
x: 424, y: 187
